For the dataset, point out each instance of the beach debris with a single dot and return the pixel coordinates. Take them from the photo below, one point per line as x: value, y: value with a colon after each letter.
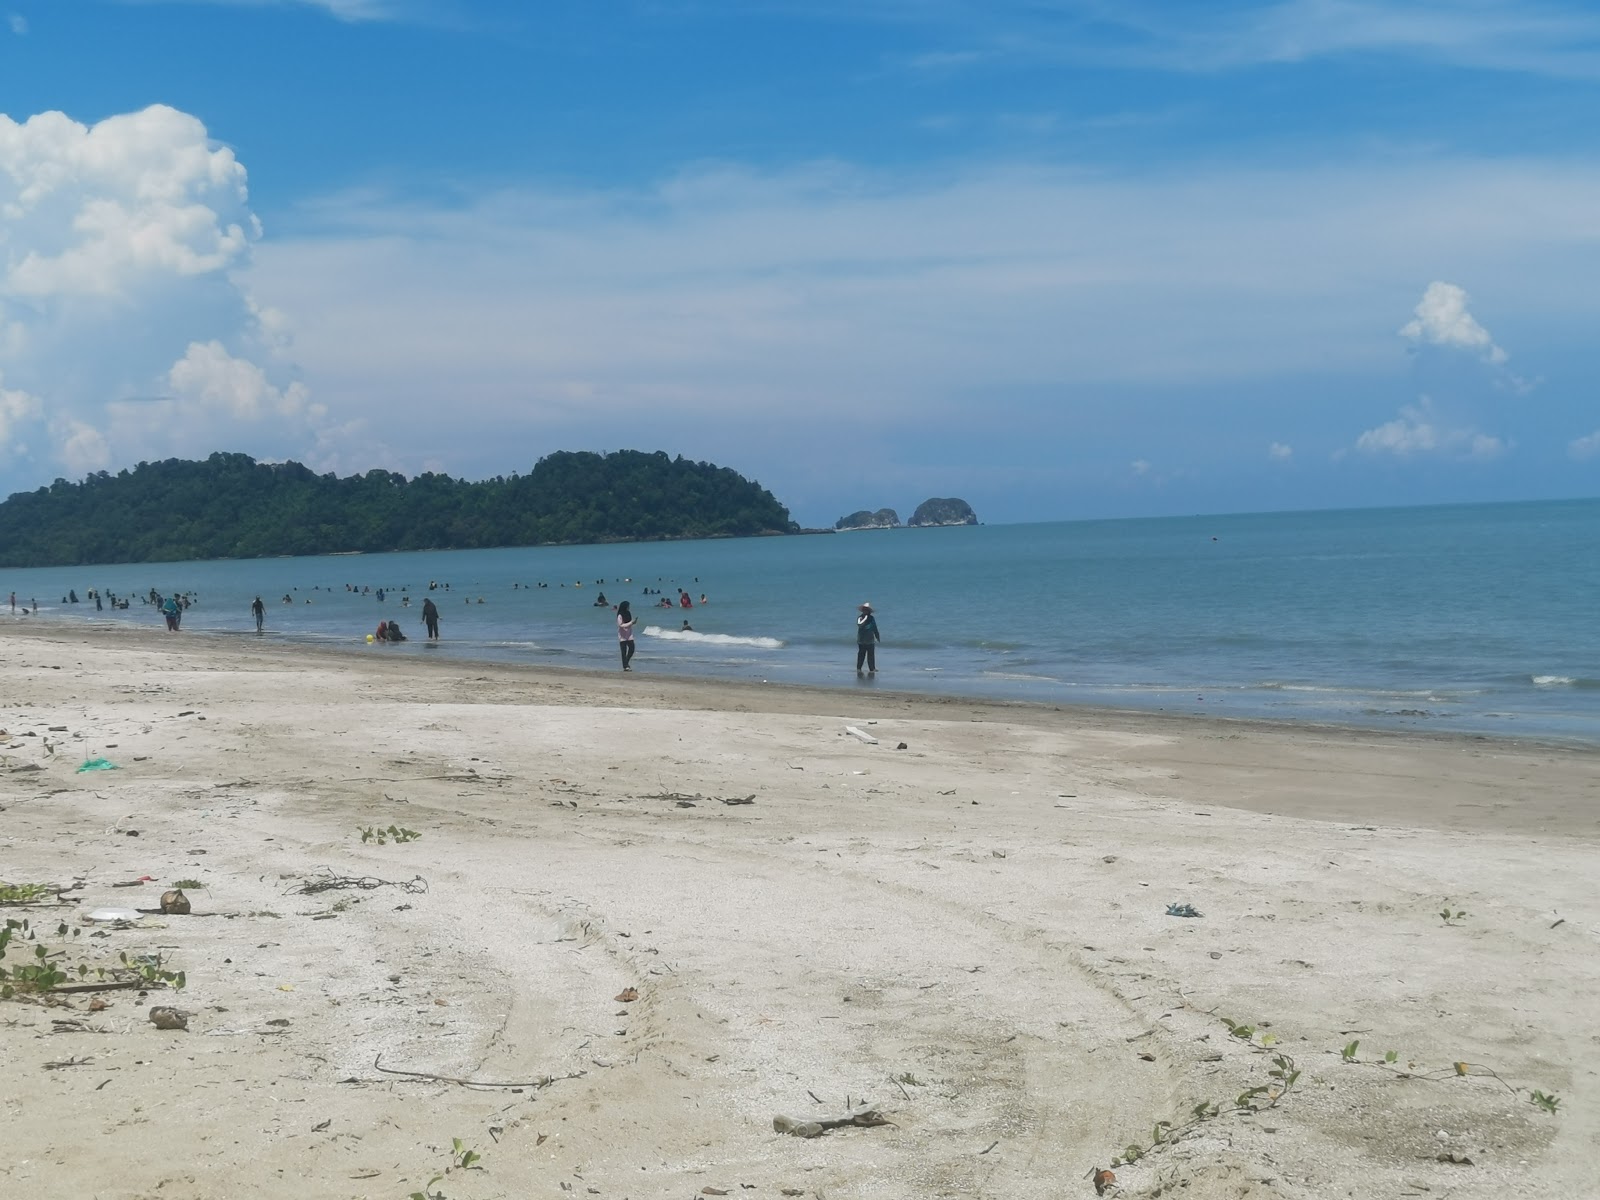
x: 164, y: 1016
x: 627, y: 995
x: 327, y: 881
x: 98, y: 764
x: 864, y: 1114
x: 902, y: 746
x: 175, y: 902
x: 62, y: 1064
x: 428, y: 1076
x: 112, y: 915
x: 1183, y: 910
x: 685, y: 800
x: 862, y: 734
x: 1103, y: 1180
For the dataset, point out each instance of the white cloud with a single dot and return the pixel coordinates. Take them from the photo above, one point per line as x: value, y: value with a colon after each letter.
x: 18, y: 23
x: 16, y: 408
x: 1140, y: 466
x: 722, y: 296
x: 1586, y: 446
x: 82, y: 447
x: 1442, y: 319
x: 1278, y: 452
x: 344, y: 10
x: 1543, y: 37
x: 208, y: 378
x: 119, y: 247
x: 1418, y: 431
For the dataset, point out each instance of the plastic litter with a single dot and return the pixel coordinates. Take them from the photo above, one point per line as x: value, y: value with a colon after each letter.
x: 1183, y: 910
x: 112, y: 914
x: 98, y: 764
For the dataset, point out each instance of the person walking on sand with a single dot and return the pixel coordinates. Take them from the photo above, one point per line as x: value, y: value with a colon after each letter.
x: 258, y: 610
x: 430, y: 618
x: 867, y: 638
x: 625, y: 622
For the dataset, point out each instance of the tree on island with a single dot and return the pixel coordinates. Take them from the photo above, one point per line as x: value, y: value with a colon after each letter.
x: 231, y: 506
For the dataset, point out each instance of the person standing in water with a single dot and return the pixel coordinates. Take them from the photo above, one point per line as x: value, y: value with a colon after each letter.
x: 430, y: 618
x: 258, y: 610
x: 625, y: 622
x: 867, y: 638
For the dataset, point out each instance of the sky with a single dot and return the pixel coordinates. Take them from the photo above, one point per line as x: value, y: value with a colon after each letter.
x: 1060, y: 258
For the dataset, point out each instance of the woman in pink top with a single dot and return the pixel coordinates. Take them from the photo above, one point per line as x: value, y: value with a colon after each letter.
x: 625, y: 634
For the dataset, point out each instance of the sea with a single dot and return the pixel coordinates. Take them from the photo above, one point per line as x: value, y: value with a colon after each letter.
x: 1480, y: 619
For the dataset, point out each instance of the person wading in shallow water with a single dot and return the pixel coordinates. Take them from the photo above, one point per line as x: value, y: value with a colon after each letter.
x: 867, y: 639
x: 258, y: 610
x: 625, y: 622
x: 430, y: 618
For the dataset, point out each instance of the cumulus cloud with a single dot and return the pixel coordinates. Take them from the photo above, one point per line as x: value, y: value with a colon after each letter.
x: 1442, y: 319
x: 1586, y: 446
x: 1278, y: 452
x: 120, y: 244
x: 18, y: 23
x: 1140, y: 466
x: 1418, y: 430
x: 16, y: 407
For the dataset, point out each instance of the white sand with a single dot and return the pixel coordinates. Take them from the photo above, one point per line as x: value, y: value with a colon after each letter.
x: 980, y: 916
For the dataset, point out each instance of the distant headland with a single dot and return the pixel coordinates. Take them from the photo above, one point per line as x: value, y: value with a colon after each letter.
x: 939, y: 510
x: 231, y: 506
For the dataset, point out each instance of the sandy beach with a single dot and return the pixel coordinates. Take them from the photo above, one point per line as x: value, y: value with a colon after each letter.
x: 955, y: 911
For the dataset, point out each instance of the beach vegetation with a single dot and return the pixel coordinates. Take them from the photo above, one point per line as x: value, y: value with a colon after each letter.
x: 462, y: 1158
x: 231, y: 506
x: 189, y: 885
x: 383, y: 836
x: 1545, y: 1101
x: 1456, y: 1070
x: 1451, y: 918
x: 1281, y: 1077
x: 25, y: 893
x: 41, y: 965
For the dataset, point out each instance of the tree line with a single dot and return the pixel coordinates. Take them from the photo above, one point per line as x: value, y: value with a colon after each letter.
x: 231, y: 506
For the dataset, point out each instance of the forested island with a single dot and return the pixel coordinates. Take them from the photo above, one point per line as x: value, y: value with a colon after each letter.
x: 231, y: 506
x: 936, y: 511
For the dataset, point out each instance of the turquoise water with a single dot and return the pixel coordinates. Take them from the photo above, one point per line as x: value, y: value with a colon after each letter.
x: 1470, y: 618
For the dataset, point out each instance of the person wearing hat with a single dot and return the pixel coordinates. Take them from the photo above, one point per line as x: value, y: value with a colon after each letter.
x: 867, y: 638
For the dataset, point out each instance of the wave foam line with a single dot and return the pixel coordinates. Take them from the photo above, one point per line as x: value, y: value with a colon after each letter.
x: 711, y: 639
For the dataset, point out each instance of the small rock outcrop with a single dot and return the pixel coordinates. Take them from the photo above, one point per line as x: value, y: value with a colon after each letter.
x: 943, y: 511
x: 884, y: 518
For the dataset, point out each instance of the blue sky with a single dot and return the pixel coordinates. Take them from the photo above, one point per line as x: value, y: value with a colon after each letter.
x: 1059, y: 257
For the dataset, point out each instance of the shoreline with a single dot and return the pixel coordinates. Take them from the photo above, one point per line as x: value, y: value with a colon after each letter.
x: 972, y: 932
x: 244, y: 640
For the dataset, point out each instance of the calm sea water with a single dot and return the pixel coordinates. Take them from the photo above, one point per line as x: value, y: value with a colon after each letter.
x: 1469, y: 618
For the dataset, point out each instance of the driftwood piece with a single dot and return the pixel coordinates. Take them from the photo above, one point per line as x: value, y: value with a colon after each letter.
x: 862, y: 734
x: 864, y: 1114
x: 429, y: 1077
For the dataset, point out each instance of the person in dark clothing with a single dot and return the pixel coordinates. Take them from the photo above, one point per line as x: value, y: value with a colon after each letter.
x: 867, y: 638
x: 258, y: 610
x: 625, y: 623
x: 430, y: 617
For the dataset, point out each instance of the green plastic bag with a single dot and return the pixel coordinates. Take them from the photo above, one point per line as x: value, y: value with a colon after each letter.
x: 98, y: 764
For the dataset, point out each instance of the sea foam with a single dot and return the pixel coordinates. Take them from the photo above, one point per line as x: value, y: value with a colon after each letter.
x: 712, y: 639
